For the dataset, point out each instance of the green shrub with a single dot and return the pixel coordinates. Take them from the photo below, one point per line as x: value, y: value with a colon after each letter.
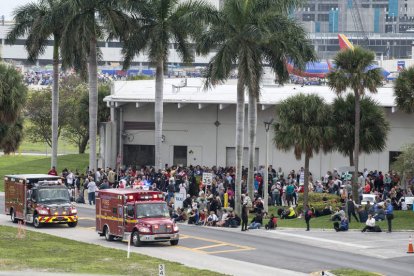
x: 318, y: 201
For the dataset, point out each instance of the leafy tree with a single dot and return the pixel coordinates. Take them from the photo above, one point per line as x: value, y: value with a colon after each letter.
x: 39, y: 21
x: 14, y: 136
x: 374, y: 126
x: 304, y: 126
x: 353, y: 72
x: 13, y: 94
x: 404, y: 90
x: 38, y: 112
x: 87, y: 21
x: 157, y: 24
x: 405, y: 164
x: 77, y: 129
x: 245, y: 36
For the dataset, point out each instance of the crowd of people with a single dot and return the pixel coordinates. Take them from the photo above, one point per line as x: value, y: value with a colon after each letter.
x: 213, y: 205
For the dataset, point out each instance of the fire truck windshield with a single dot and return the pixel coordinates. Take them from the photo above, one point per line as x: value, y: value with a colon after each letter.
x: 53, y: 195
x: 152, y: 210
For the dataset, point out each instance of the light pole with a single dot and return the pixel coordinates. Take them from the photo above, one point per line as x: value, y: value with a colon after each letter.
x: 267, y: 125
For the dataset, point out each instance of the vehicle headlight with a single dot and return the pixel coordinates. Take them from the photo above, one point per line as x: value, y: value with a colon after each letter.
x: 74, y: 211
x: 175, y: 228
x: 43, y: 212
x: 144, y: 230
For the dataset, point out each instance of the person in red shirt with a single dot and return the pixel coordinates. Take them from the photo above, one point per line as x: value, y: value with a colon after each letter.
x: 52, y: 171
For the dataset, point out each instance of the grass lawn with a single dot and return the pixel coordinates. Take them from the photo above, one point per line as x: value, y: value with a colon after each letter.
x: 352, y: 272
x: 42, y: 252
x: 63, y: 148
x: 404, y: 220
x: 22, y: 164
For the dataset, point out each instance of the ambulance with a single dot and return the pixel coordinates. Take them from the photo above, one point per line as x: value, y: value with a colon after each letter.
x: 138, y: 216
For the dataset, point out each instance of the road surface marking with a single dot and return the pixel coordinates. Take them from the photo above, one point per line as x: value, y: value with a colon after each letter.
x: 228, y: 251
x: 216, y: 243
x: 210, y: 246
x: 321, y: 240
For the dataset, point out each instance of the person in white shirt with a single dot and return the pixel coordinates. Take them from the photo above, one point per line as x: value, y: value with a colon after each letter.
x: 369, y: 224
x: 92, y: 188
x: 212, y: 219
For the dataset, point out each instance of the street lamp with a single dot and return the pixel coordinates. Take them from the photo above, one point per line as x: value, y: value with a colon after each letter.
x: 267, y: 125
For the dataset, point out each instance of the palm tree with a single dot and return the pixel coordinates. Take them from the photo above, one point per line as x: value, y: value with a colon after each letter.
x: 246, y: 35
x: 304, y: 125
x: 13, y: 93
x: 353, y: 72
x: 39, y: 21
x: 404, y: 90
x: 87, y: 22
x: 14, y: 136
x: 158, y: 23
x: 374, y: 126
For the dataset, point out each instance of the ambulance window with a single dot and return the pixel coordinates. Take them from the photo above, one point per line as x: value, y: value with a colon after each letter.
x: 130, y: 210
x: 114, y: 210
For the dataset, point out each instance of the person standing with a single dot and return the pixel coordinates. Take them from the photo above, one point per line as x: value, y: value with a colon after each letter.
x: 308, y: 216
x: 244, y: 216
x: 91, y: 191
x: 351, y: 209
x: 389, y: 214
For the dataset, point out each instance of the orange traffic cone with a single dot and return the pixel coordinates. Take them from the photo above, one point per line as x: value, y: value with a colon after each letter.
x: 410, y: 246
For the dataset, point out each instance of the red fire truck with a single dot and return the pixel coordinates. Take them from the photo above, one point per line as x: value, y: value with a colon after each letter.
x: 139, y: 215
x: 38, y: 199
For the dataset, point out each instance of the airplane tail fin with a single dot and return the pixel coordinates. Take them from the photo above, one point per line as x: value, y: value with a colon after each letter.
x: 344, y: 42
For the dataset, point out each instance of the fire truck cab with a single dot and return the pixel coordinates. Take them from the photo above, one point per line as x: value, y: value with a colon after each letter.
x: 139, y: 215
x: 38, y: 199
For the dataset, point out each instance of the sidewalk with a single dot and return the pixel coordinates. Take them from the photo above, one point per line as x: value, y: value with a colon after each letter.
x: 170, y: 253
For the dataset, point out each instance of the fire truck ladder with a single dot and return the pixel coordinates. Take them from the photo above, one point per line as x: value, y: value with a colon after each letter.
x: 359, y: 26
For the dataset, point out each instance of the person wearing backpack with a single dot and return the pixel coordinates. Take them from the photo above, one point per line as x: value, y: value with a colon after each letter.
x: 308, y: 216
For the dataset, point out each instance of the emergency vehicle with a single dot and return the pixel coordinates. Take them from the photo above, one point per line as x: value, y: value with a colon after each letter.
x: 38, y: 199
x: 139, y: 215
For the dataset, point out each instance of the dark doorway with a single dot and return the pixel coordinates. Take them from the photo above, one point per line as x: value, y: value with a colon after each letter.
x: 139, y: 155
x: 180, y: 155
x: 393, y: 157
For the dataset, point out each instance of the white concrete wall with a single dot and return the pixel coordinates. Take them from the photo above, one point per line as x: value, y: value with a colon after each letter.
x: 195, y: 128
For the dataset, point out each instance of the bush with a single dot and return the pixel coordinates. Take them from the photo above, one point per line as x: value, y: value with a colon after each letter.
x: 318, y: 201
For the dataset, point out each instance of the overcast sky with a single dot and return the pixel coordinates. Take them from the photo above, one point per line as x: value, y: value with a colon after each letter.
x: 7, y: 7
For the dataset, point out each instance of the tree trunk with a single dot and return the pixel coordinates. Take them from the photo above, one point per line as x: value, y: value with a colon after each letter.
x: 239, y: 144
x: 306, y: 184
x: 159, y: 112
x: 356, y: 149
x: 252, y: 126
x: 55, y: 102
x: 82, y: 145
x: 93, y: 104
x: 351, y: 158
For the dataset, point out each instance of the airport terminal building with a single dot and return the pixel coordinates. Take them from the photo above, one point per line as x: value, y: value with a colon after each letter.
x: 199, y: 126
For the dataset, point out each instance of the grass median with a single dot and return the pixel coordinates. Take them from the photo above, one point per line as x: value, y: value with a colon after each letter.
x: 43, y: 252
x: 24, y: 164
x: 403, y: 220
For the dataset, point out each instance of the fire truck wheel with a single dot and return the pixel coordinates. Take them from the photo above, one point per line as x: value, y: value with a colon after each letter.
x: 135, y: 239
x: 36, y: 222
x: 108, y: 236
x: 174, y: 242
x: 13, y: 216
x: 72, y: 224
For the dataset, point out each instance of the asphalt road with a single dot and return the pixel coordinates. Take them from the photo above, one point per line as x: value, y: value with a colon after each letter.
x: 290, y: 249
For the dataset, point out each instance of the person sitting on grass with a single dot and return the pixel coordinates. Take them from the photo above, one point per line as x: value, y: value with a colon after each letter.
x: 289, y: 213
x: 202, y: 217
x: 272, y: 224
x: 212, y: 219
x: 339, y: 213
x: 370, y: 225
x: 224, y: 219
x: 233, y: 220
x: 193, y: 216
x: 343, y: 225
x: 257, y: 221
